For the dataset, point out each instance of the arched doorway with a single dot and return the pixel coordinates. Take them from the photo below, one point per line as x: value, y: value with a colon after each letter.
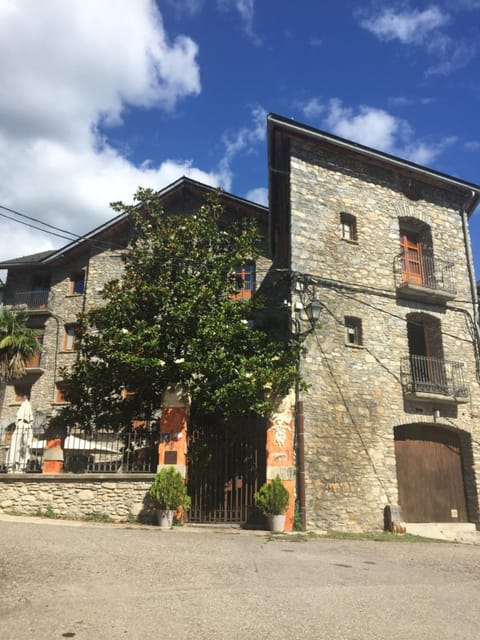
x: 429, y: 474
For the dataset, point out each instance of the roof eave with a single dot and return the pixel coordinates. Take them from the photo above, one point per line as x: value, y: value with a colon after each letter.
x: 290, y: 126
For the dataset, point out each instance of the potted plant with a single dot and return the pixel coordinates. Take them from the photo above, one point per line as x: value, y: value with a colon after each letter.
x: 272, y: 501
x: 169, y: 493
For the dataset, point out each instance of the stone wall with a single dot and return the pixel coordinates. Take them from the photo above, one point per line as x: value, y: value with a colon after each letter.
x: 63, y: 309
x: 356, y: 398
x: 76, y: 497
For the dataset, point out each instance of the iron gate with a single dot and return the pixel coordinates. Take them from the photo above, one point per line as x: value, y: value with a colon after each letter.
x: 225, y: 466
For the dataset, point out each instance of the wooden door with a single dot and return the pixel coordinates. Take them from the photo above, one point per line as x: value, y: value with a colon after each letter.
x: 412, y: 261
x: 429, y: 474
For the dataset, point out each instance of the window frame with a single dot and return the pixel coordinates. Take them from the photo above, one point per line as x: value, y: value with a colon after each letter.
x: 348, y: 227
x: 75, y: 278
x: 245, y: 281
x: 69, y: 336
x: 353, y: 329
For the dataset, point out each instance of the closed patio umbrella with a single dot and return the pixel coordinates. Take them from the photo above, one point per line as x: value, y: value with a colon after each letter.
x: 20, y: 448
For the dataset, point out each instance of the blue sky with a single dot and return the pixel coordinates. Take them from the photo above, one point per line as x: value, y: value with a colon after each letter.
x: 101, y: 97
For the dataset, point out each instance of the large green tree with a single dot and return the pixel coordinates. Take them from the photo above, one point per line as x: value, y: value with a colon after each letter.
x: 172, y: 319
x: 18, y: 343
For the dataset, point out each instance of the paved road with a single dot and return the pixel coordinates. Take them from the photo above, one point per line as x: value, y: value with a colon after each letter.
x: 83, y: 581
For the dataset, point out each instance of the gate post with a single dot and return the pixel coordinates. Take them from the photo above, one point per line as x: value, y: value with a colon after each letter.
x: 280, y: 455
x: 172, y: 449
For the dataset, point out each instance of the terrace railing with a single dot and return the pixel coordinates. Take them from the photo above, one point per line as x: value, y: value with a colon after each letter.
x: 37, y: 300
x: 135, y: 451
x: 433, y: 376
x: 423, y: 271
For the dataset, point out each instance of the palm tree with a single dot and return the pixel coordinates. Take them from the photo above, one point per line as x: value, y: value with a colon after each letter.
x: 18, y: 343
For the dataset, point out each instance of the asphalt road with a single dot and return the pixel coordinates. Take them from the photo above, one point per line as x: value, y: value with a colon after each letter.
x: 84, y: 581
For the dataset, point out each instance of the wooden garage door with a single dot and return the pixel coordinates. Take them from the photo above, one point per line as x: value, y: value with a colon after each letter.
x: 429, y: 474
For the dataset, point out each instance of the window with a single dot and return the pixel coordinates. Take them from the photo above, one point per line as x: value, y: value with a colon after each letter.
x: 60, y: 392
x: 348, y: 227
x: 22, y: 392
x: 77, y: 283
x: 69, y: 338
x: 244, y: 281
x: 353, y: 331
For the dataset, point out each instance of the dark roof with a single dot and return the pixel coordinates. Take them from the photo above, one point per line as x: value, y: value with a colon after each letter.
x: 170, y: 191
x: 292, y: 127
x: 34, y: 258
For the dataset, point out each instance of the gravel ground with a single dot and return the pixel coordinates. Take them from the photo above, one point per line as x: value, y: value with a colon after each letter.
x: 92, y: 581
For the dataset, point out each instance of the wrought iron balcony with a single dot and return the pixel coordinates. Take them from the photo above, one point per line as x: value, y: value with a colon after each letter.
x: 431, y: 378
x: 38, y: 301
x: 423, y: 276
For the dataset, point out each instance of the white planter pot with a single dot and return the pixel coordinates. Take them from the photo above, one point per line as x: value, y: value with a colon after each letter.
x: 277, y: 523
x: 165, y: 518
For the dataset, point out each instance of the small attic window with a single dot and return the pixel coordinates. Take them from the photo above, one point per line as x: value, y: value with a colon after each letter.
x: 353, y: 331
x: 348, y: 227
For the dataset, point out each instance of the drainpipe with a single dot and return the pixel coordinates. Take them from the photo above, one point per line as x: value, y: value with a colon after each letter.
x: 471, y: 270
x: 300, y: 429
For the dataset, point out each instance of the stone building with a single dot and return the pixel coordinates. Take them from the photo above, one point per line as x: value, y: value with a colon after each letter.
x: 381, y: 247
x: 378, y: 248
x: 55, y: 286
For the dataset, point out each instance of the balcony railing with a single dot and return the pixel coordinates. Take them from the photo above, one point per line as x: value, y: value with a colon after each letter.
x: 422, y: 274
x: 34, y: 301
x: 425, y: 377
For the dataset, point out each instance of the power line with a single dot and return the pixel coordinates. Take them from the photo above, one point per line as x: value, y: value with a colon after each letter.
x: 45, y: 224
x: 32, y: 226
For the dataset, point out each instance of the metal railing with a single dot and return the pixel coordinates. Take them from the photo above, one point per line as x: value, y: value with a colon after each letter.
x: 424, y: 374
x: 38, y: 300
x: 423, y: 270
x: 135, y: 451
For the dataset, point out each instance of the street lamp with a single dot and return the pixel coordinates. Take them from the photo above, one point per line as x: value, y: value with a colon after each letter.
x: 313, y: 311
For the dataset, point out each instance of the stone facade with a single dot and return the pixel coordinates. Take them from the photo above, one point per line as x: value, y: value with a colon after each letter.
x: 99, y: 260
x: 356, y: 397
x: 76, y: 497
x: 337, y: 213
x: 62, y: 309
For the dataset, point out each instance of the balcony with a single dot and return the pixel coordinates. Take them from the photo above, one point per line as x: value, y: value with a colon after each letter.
x: 433, y: 379
x: 34, y: 364
x: 37, y: 302
x: 421, y: 276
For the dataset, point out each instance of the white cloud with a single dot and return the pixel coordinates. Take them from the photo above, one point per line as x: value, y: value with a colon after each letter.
x: 410, y: 27
x: 425, y: 29
x: 380, y: 130
x: 59, y: 85
x: 403, y: 101
x: 243, y: 140
x: 259, y: 195
x: 246, y: 10
x: 372, y: 127
x: 473, y: 145
x: 312, y: 108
